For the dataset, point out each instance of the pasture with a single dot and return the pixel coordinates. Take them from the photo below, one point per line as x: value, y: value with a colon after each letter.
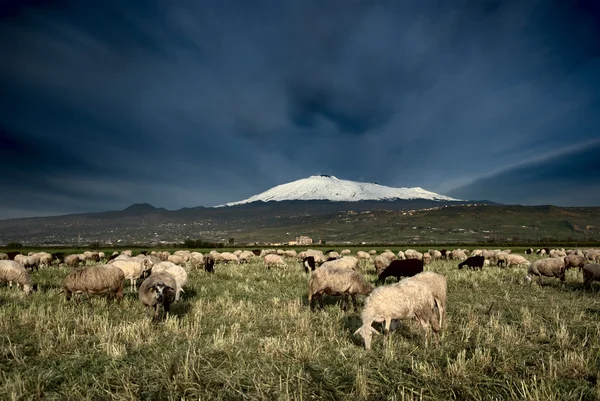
x: 245, y: 332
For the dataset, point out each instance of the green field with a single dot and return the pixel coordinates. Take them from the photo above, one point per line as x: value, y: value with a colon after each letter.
x: 247, y: 333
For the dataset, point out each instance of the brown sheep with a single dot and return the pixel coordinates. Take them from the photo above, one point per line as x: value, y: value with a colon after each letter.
x: 95, y: 280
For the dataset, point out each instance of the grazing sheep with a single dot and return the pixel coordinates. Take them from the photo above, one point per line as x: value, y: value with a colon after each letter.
x: 133, y: 269
x: 274, y: 260
x: 458, y: 254
x: 291, y: 253
x: 245, y: 256
x: 591, y: 273
x: 445, y: 253
x: 381, y: 262
x: 412, y: 254
x: 401, y: 255
x: 176, y: 259
x: 346, y: 252
x: 336, y: 281
x: 30, y: 262
x: 426, y: 258
x: 266, y: 252
x: 196, y: 260
x: 407, y: 299
x: 435, y: 255
x: 473, y: 262
x: 501, y: 259
x: 529, y: 251
x: 318, y: 255
x: 209, y: 263
x: 362, y: 255
x: 227, y: 257
x: 178, y: 273
x: 95, y: 280
x: 11, y: 271
x: 158, y: 289
x: 401, y: 268
x: 72, y: 260
x: 309, y: 264
x: 372, y: 252
x: 574, y: 261
x: 516, y: 260
x: 390, y: 255
x: 477, y: 252
x: 439, y: 288
x: 550, y: 267
x: 3, y: 256
x: 347, y: 262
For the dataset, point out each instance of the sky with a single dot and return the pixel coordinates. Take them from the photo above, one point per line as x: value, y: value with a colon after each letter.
x: 198, y: 103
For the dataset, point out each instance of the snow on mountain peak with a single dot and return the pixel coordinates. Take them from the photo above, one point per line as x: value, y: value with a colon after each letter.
x: 331, y: 188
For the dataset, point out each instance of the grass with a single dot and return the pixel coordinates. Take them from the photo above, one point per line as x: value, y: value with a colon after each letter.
x: 247, y: 333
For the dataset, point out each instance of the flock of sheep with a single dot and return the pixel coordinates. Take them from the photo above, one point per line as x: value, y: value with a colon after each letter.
x: 418, y: 294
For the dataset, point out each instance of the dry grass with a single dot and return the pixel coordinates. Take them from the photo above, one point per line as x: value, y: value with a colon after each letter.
x: 247, y: 333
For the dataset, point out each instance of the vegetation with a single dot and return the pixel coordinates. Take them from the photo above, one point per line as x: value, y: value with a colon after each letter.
x: 247, y: 333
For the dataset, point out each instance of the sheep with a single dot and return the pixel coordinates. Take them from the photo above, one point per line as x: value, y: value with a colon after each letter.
x: 133, y: 269
x: 176, y: 259
x: 529, y: 251
x: 290, y: 253
x: 3, y: 256
x: 459, y: 254
x: 158, y: 289
x: 439, y: 287
x: 400, y: 255
x: 515, y: 260
x: 426, y: 258
x: 557, y: 253
x: 435, y: 255
x: 372, y: 252
x: 266, y: 252
x: 404, y: 300
x: 412, y: 254
x: 11, y: 271
x: 347, y: 262
x: 401, y: 268
x: 256, y: 252
x: 227, y: 257
x: 318, y: 255
x: 178, y: 273
x: 309, y: 264
x: 333, y: 255
x: 501, y: 258
x: 574, y: 261
x: 72, y: 260
x: 274, y: 260
x: 389, y: 255
x: 95, y: 280
x: 477, y: 252
x: 346, y: 252
x: 550, y: 267
x: 336, y: 281
x: 209, y: 263
x: 473, y: 262
x: 31, y: 262
x: 362, y: 255
x: 381, y: 262
x: 591, y: 273
x: 196, y: 259
x: 245, y: 256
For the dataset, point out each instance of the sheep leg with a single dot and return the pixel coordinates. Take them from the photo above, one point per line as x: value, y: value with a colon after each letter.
x: 343, y: 305
x: 354, y: 303
x: 321, y: 302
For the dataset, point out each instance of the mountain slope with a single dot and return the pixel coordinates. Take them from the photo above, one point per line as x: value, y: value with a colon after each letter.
x: 330, y: 188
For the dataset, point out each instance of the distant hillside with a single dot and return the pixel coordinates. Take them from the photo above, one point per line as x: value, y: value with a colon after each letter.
x: 393, y: 222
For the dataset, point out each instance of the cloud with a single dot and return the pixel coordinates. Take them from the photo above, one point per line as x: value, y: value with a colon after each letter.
x: 109, y: 104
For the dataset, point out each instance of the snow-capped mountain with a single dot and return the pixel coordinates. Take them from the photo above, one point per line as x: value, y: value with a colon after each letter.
x: 326, y: 187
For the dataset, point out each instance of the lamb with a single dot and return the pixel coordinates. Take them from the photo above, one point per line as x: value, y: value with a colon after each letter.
x: 11, y: 271
x: 473, y: 262
x: 381, y: 262
x: 401, y: 268
x: 550, y: 267
x: 439, y: 288
x: 515, y: 260
x: 405, y: 300
x: 274, y: 260
x: 178, y: 273
x: 591, y: 273
x: 133, y: 269
x: 158, y: 290
x: 574, y: 261
x: 309, y: 264
x: 95, y: 280
x: 347, y: 262
x: 336, y: 281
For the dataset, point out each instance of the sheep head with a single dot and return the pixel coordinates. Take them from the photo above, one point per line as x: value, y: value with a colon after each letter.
x: 159, y: 291
x: 366, y: 332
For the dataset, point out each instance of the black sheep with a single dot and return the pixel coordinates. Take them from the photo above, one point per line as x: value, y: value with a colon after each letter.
x: 473, y: 262
x: 401, y: 268
x: 209, y: 263
x: 309, y: 263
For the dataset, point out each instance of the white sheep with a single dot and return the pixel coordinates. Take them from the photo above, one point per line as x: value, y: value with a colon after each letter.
x: 407, y: 299
x: 336, y: 281
x: 347, y: 262
x: 439, y: 288
x: 273, y: 260
x: 178, y: 273
x: 514, y: 259
x: 133, y: 268
x: 11, y: 271
x: 381, y: 262
x: 346, y: 252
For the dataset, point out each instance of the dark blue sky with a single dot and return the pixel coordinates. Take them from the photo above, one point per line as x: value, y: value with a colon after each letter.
x: 188, y: 103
